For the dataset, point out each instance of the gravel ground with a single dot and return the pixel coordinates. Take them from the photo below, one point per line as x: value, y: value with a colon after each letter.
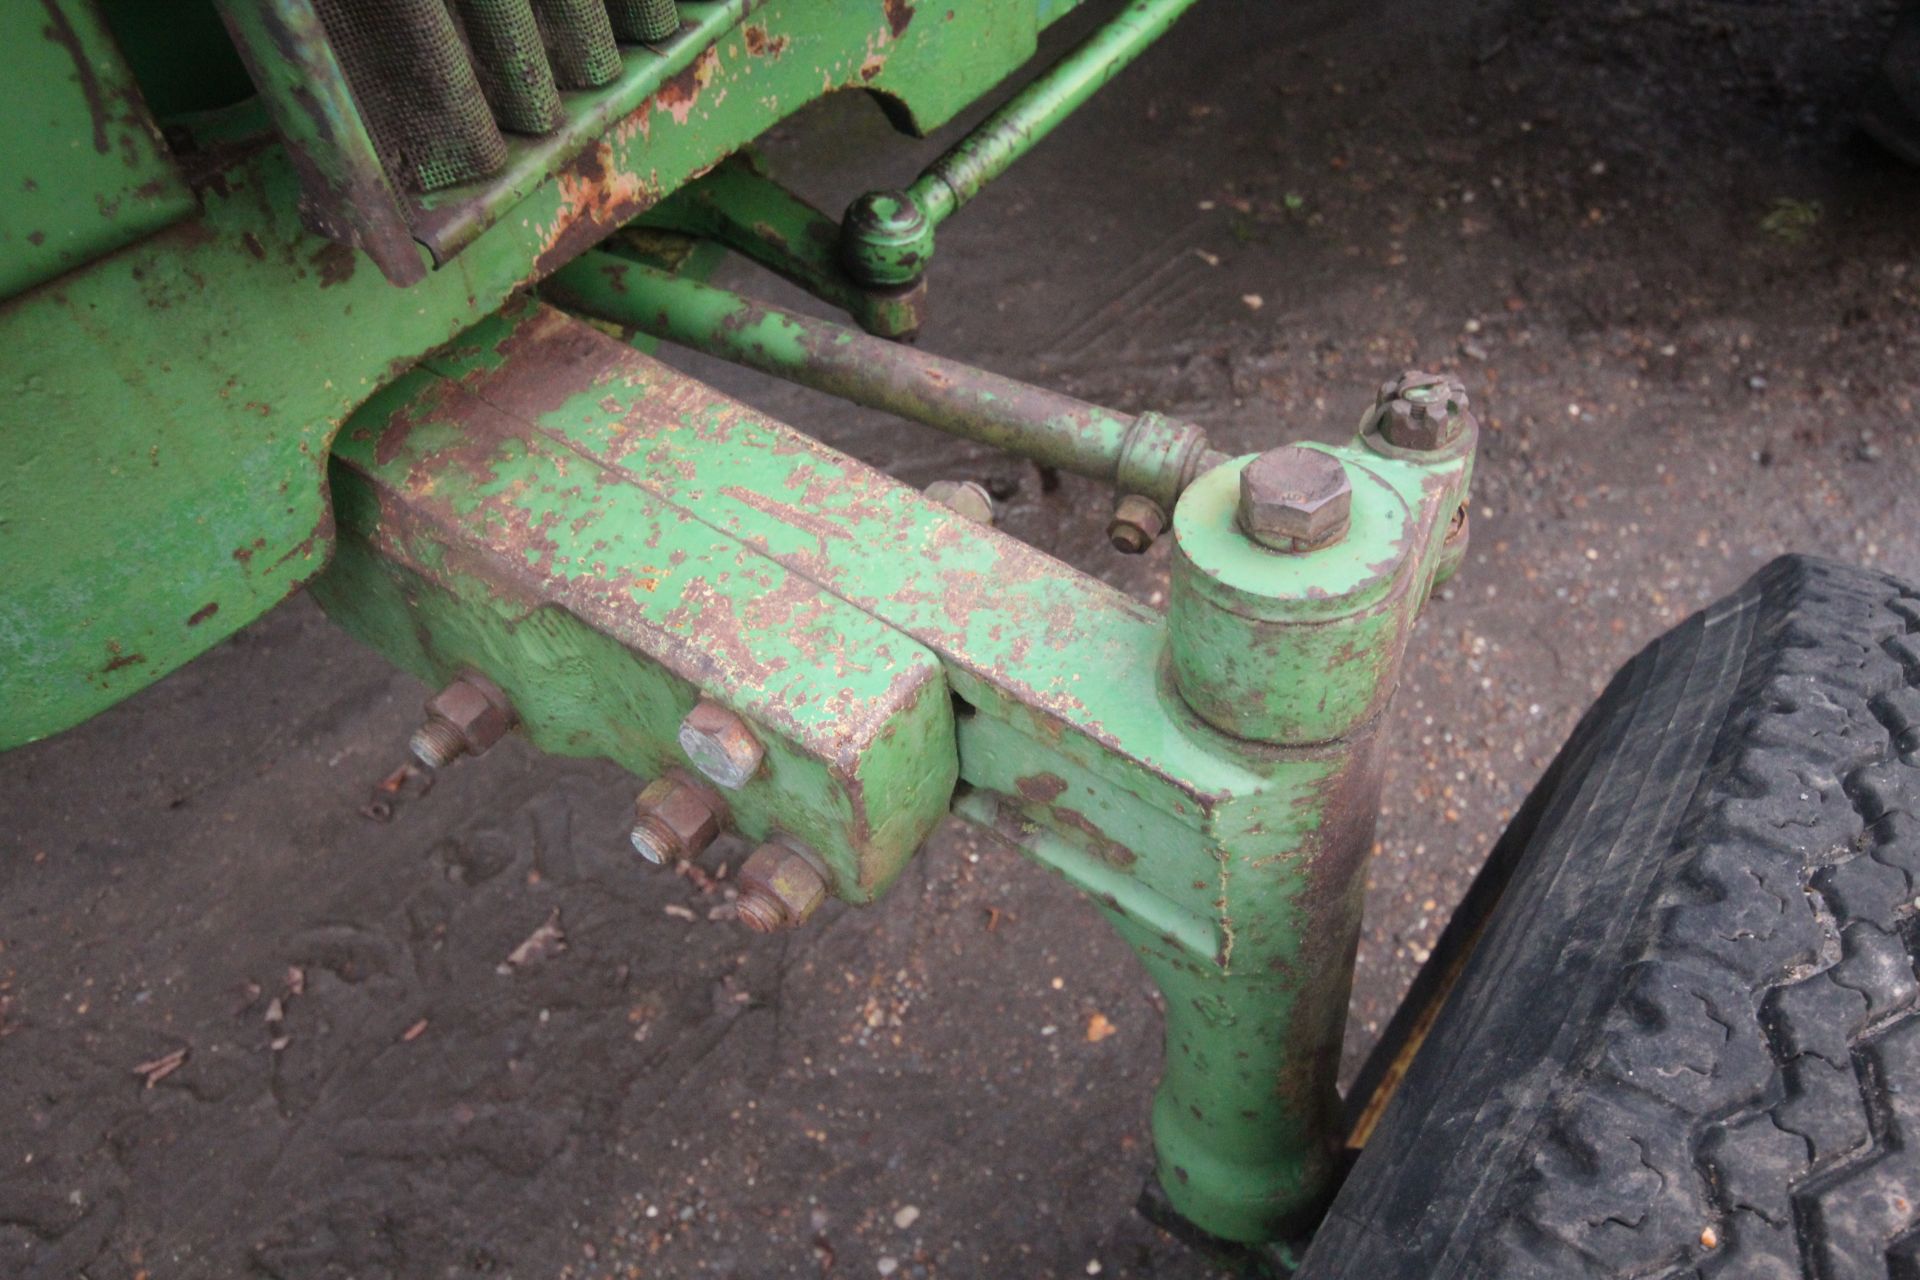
x: 1682, y: 291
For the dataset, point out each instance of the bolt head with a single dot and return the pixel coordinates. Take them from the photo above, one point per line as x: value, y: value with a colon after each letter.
x: 964, y: 496
x: 1295, y: 499
x: 675, y: 819
x: 476, y: 708
x: 720, y: 745
x: 779, y: 888
x: 1422, y: 411
x: 1137, y: 523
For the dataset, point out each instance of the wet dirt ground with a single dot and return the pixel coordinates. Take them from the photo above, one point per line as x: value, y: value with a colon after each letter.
x: 247, y: 1029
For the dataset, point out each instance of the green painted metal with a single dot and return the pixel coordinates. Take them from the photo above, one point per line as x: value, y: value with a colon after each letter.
x: 1148, y: 454
x: 173, y: 402
x: 887, y: 240
x: 1341, y: 612
x: 926, y: 62
x: 346, y: 195
x: 739, y: 206
x: 612, y: 541
x: 180, y: 54
x: 1233, y: 867
x: 84, y: 170
x: 668, y: 251
x: 890, y: 234
x: 473, y: 538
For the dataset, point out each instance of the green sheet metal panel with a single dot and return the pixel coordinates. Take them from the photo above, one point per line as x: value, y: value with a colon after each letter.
x: 85, y: 170
x: 162, y: 482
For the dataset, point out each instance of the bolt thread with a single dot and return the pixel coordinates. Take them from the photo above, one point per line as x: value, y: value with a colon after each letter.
x: 437, y: 743
x: 760, y: 912
x: 651, y: 843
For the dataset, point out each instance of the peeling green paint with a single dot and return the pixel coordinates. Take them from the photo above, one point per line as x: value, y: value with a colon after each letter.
x: 172, y: 403
x: 1233, y: 866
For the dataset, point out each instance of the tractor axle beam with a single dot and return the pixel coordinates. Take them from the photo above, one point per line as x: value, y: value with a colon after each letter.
x: 796, y: 648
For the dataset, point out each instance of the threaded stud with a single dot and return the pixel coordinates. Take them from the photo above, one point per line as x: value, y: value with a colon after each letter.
x: 760, y: 912
x: 437, y: 743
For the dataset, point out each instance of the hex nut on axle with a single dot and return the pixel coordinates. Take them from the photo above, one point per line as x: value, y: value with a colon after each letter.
x: 964, y: 496
x: 1422, y: 411
x: 720, y: 745
x: 1295, y: 499
x: 463, y: 719
x: 780, y: 886
x: 675, y: 819
x: 1138, y: 521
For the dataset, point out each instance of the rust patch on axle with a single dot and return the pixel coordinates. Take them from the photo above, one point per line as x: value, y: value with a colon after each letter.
x: 1041, y: 788
x: 117, y: 660
x: 335, y: 263
x: 760, y: 44
x: 596, y: 197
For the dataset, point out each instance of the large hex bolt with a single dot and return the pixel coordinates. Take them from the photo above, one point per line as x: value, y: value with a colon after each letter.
x: 1295, y: 499
x: 720, y: 745
x: 964, y: 496
x: 780, y: 886
x: 675, y: 819
x: 463, y: 719
x: 1137, y: 522
x: 1421, y: 411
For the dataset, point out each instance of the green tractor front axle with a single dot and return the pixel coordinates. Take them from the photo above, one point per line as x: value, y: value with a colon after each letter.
x: 826, y: 662
x: 470, y: 457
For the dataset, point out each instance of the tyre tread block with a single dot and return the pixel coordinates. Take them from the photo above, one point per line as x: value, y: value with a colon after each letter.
x: 1689, y: 1041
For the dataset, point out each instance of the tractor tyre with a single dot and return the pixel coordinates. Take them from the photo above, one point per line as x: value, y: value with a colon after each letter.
x: 1687, y: 1042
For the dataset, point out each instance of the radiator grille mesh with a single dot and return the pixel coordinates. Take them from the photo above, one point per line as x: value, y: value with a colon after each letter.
x: 580, y: 44
x: 415, y: 85
x: 438, y: 80
x: 639, y: 21
x: 511, y: 63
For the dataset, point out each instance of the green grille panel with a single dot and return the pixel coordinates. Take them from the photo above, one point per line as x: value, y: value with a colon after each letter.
x: 643, y: 21
x: 511, y: 61
x: 439, y: 81
x: 415, y: 86
x: 580, y: 45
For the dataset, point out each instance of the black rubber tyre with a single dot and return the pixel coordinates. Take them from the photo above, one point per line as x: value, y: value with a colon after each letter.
x: 1688, y: 1043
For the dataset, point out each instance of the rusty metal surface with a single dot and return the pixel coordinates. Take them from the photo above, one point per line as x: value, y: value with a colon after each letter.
x: 780, y: 887
x: 1137, y: 523
x: 1295, y: 499
x: 995, y: 608
x: 675, y: 818
x: 465, y: 718
x: 475, y: 540
x: 207, y: 451
x: 1147, y: 453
